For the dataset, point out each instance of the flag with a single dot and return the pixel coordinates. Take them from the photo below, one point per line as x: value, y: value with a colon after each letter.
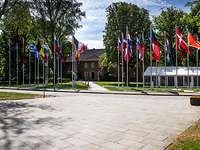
x: 44, y: 52
x: 119, y: 45
x: 61, y: 55
x: 38, y: 46
x: 79, y: 48
x: 82, y: 47
x: 180, y: 42
x: 155, y: 47
x: 139, y: 48
x: 168, y: 49
x: 193, y: 42
x: 75, y: 43
x: 128, y: 44
x: 33, y: 49
x: 57, y: 46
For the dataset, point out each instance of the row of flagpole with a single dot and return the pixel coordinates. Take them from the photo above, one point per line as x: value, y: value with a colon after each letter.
x: 36, y: 67
x: 166, y: 57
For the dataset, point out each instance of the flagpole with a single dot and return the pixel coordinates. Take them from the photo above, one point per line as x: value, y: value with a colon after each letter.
x: 72, y: 66
x: 151, y: 56
x: 127, y: 57
x: 58, y: 58
x: 197, y: 66
x: 176, y: 64
x: 38, y: 71
x: 188, y: 61
x: 118, y: 62
x: 61, y: 63
x: 54, y: 63
x: 9, y: 47
x: 35, y: 68
x: 122, y: 61
x: 29, y: 67
x: 165, y: 38
x: 17, y: 62
x: 136, y: 67
x: 143, y: 57
x: 23, y: 59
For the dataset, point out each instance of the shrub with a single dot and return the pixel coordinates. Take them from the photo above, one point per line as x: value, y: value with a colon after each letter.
x: 195, y: 100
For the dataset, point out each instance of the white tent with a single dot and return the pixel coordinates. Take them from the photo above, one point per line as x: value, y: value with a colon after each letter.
x: 169, y: 76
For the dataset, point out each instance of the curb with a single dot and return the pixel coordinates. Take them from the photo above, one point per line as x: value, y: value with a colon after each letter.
x: 99, y: 92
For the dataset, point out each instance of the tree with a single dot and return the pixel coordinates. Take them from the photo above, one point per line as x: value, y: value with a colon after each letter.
x: 62, y: 17
x: 194, y: 16
x: 16, y: 24
x: 167, y: 22
x: 120, y: 15
x: 6, y: 5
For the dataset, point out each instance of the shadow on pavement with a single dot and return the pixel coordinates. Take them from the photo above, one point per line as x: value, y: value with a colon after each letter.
x: 15, y: 121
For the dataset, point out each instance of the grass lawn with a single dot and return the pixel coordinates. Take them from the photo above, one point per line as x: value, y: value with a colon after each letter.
x: 16, y: 96
x: 68, y: 86
x: 113, y: 86
x: 65, y: 85
x: 188, y: 140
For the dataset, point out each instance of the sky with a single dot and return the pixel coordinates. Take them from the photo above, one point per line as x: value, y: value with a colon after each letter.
x: 93, y: 24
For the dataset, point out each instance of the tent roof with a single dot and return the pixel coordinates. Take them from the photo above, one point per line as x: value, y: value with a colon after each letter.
x: 171, y: 71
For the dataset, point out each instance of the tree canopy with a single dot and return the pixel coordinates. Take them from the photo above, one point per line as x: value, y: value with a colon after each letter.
x: 120, y: 15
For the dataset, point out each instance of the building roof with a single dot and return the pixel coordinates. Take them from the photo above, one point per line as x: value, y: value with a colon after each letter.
x: 171, y: 71
x: 90, y: 55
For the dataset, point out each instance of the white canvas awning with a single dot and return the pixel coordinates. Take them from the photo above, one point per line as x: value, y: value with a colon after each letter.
x: 171, y: 71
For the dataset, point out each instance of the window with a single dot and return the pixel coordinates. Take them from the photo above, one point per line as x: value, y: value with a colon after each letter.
x: 92, y: 65
x: 85, y: 65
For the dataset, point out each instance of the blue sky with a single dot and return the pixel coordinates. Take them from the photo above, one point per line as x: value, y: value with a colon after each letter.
x: 93, y: 25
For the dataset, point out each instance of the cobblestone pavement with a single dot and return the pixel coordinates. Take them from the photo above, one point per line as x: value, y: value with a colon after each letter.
x: 94, y: 122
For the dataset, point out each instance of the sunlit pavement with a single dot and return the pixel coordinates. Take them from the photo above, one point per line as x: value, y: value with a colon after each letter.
x: 94, y: 122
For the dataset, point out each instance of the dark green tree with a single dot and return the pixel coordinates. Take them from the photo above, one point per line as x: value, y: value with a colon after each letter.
x: 120, y: 15
x: 167, y: 22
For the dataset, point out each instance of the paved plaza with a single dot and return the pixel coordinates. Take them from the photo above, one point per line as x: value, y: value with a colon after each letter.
x: 94, y: 122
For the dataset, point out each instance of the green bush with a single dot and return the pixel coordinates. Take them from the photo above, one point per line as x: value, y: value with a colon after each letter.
x: 195, y: 100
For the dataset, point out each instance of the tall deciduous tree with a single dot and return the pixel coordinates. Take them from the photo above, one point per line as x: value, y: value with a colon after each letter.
x: 120, y: 15
x: 6, y: 5
x: 167, y: 22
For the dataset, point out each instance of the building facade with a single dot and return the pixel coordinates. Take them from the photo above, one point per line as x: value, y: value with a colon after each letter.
x: 88, y: 68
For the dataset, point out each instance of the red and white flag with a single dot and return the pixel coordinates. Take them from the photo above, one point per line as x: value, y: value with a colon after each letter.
x: 180, y: 42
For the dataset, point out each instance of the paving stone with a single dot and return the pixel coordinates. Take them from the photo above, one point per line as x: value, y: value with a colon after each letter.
x: 95, y: 122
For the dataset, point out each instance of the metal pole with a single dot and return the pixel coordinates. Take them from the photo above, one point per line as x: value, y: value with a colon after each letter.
x: 35, y: 69
x: 165, y: 59
x: 176, y: 64
x: 151, y: 56
x: 23, y: 59
x: 72, y: 65
x: 54, y: 63
x: 122, y: 61
x: 188, y: 61
x: 9, y: 47
x: 29, y: 67
x: 118, y: 61
x: 137, y: 67
x: 197, y: 64
x: 17, y: 62
x: 38, y: 71
x: 61, y: 64
x: 127, y: 56
x: 58, y: 58
x: 143, y: 57
x: 43, y: 79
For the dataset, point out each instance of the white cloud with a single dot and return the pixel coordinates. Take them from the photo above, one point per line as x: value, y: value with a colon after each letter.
x: 94, y: 23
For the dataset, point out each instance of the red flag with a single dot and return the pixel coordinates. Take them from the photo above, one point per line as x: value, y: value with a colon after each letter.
x: 156, y: 47
x: 180, y: 42
x: 193, y: 42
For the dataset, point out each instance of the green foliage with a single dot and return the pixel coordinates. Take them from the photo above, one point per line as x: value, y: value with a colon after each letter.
x: 120, y: 15
x: 107, y: 66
